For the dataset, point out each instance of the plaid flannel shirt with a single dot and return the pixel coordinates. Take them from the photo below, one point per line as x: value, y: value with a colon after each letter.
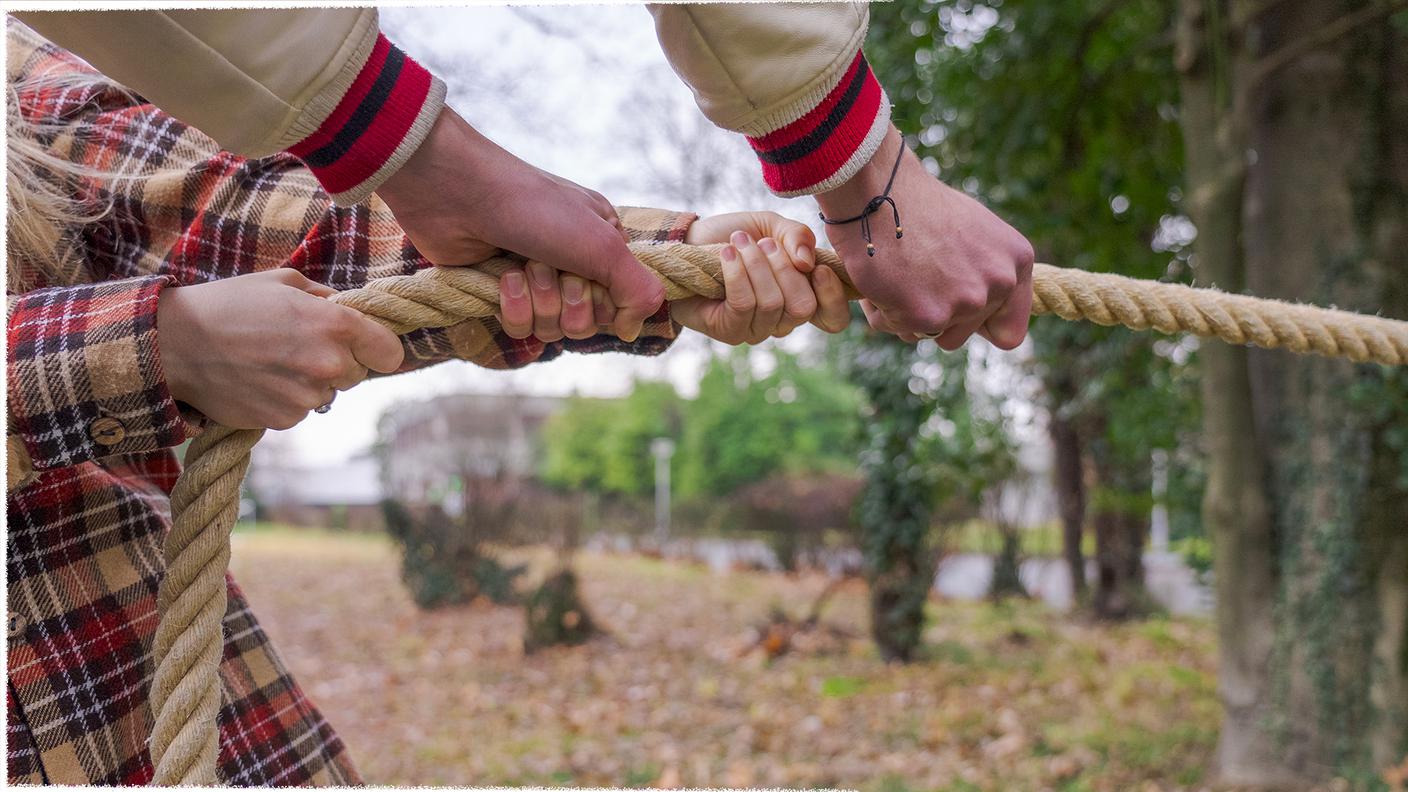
x: 89, y: 413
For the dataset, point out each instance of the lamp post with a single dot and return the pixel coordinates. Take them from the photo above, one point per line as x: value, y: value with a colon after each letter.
x: 662, y: 448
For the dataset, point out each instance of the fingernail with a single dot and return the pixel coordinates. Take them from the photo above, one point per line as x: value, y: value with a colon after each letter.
x: 598, y: 296
x: 740, y: 239
x: 767, y: 245
x: 572, y: 290
x: 514, y: 285
x: 729, y: 253
x: 541, y: 274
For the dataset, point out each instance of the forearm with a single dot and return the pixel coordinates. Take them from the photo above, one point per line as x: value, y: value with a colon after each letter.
x: 320, y: 83
x: 788, y: 76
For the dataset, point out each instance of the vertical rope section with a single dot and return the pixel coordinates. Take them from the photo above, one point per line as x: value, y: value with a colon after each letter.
x: 205, y: 502
x: 192, y: 598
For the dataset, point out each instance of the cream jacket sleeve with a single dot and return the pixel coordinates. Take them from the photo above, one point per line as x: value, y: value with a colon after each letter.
x: 321, y: 83
x: 789, y: 76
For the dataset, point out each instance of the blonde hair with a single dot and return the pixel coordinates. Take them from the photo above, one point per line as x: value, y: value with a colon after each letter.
x: 45, y: 192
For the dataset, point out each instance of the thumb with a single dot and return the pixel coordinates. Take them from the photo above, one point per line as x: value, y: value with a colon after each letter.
x: 292, y: 277
x: 796, y: 239
x: 376, y: 347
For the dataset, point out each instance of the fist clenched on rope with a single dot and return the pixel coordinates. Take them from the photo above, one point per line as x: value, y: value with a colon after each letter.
x: 508, y: 204
x: 958, y: 270
x: 771, y: 287
x: 300, y: 350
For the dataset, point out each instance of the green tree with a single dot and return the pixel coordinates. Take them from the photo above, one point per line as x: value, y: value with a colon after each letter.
x: 603, y: 445
x: 1062, y: 117
x: 744, y: 428
x: 929, y: 445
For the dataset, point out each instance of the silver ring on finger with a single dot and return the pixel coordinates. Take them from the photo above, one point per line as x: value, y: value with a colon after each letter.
x: 929, y: 336
x: 327, y: 405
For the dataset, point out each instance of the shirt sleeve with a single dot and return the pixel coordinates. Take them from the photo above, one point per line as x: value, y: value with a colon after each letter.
x: 320, y: 83
x: 791, y: 77
x: 84, y: 377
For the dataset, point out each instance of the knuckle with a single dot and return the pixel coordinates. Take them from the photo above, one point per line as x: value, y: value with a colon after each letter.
x: 342, y: 322
x: 802, y: 309
x: 1003, y: 283
x: 969, y: 299
x: 930, y: 319
x: 323, y: 368
x: 1026, y: 255
x: 770, y: 305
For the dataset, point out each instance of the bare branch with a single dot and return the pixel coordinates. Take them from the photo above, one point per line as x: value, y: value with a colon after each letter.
x: 1323, y: 37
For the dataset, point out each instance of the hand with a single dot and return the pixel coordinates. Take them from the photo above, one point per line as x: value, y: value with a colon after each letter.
x: 959, y: 269
x: 460, y: 199
x: 262, y: 350
x: 767, y: 291
x: 537, y: 300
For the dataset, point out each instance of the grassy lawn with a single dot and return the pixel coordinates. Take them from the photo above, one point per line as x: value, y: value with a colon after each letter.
x: 1006, y: 697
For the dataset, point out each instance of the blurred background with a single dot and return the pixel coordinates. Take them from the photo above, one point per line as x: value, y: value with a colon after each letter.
x: 1104, y: 561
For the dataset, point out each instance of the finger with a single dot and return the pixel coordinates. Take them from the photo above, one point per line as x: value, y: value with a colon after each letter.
x: 740, y: 301
x: 547, y: 301
x: 292, y: 277
x: 1008, y: 325
x: 833, y: 313
x: 615, y: 220
x: 602, y: 306
x: 376, y: 347
x: 515, y: 306
x: 799, y: 301
x: 769, y: 302
x: 352, y: 376
x: 877, y: 318
x: 957, y: 334
x: 319, y: 289
x: 578, y: 319
x: 800, y: 243
x: 636, y: 293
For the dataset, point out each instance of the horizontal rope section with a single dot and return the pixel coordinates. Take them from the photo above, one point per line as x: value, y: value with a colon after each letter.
x: 205, y: 502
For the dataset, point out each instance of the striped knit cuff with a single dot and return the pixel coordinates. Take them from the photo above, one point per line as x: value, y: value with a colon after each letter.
x: 378, y: 125
x: 830, y: 142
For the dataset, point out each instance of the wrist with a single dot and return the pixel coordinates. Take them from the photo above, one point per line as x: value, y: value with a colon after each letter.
x: 173, y: 329
x: 851, y: 197
x: 452, y: 149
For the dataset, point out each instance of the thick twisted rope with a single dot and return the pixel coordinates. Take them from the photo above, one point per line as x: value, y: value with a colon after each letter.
x: 192, y: 598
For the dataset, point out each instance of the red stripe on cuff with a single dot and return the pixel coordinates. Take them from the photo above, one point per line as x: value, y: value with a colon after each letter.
x: 324, y: 134
x: 816, y: 146
x: 369, y: 122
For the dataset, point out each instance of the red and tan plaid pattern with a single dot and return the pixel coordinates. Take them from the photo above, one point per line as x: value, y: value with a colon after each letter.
x: 87, y: 400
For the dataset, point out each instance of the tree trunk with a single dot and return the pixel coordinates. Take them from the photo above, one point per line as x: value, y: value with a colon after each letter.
x: 1388, y: 495
x: 1323, y: 197
x: 1120, y: 515
x: 1070, y: 484
x: 1236, y: 513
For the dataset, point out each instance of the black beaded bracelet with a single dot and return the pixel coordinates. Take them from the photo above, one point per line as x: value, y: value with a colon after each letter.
x: 873, y: 206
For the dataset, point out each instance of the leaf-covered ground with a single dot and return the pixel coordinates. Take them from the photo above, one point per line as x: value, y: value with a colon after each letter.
x: 1008, y: 697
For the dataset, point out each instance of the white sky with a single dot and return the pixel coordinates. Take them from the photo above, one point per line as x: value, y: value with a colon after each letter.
x: 583, y: 92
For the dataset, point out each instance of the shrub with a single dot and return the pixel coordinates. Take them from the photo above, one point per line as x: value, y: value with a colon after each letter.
x: 444, y: 563
x: 555, y: 614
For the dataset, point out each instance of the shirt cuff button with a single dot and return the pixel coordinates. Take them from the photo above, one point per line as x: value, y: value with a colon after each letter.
x: 107, y: 431
x: 18, y: 624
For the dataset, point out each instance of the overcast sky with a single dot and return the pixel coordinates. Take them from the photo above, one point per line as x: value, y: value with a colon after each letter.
x: 584, y: 92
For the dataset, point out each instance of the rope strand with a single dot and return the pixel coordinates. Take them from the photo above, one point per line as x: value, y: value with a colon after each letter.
x: 192, y: 597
